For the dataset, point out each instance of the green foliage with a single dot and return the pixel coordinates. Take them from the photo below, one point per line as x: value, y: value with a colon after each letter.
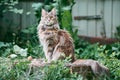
x: 64, y: 7
x: 27, y: 38
x: 15, y: 51
x: 114, y: 66
x: 9, y: 5
x: 90, y: 51
x: 57, y: 71
x: 35, y: 50
x: 5, y: 49
x: 13, y: 70
x: 108, y: 55
x: 66, y: 21
x: 19, y: 70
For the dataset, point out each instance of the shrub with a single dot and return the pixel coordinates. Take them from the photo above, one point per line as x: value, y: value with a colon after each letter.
x: 108, y: 55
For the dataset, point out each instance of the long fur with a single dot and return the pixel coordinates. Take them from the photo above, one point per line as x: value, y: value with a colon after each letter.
x: 57, y: 43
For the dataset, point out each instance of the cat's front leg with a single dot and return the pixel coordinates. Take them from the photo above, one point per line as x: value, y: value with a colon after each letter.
x: 57, y: 54
x: 48, y: 53
x: 48, y: 56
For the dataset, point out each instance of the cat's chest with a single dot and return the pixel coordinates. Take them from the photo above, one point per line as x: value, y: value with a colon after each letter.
x: 51, y: 33
x: 50, y: 36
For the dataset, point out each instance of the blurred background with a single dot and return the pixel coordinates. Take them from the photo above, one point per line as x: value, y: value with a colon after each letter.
x: 93, y: 18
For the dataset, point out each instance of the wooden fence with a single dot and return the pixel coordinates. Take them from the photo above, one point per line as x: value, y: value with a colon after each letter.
x: 97, y: 18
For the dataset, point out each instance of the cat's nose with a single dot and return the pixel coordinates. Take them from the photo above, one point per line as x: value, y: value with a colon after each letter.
x: 48, y: 19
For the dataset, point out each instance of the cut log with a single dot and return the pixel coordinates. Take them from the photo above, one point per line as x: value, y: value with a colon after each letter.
x: 86, y: 68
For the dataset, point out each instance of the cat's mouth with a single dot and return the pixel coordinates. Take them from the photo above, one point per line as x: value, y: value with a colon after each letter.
x: 49, y: 26
x: 49, y: 23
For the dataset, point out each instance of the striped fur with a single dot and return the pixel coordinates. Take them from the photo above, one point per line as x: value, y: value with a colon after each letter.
x: 57, y: 43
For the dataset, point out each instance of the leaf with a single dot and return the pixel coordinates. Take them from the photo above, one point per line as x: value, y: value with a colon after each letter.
x: 29, y: 30
x: 66, y: 8
x: 15, y: 10
x: 2, y: 44
x: 48, y: 7
x: 23, y: 52
x: 114, y: 48
x: 10, y: 7
x: 19, y: 50
x: 28, y: 13
x: 67, y: 20
x: 13, y: 56
x: 36, y: 6
x: 20, y: 11
x: 16, y: 49
x: 55, y: 4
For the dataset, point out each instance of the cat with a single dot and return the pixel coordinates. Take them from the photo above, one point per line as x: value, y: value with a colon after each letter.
x: 57, y: 44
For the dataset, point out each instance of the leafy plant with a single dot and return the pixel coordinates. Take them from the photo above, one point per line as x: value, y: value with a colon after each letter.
x: 5, y: 49
x: 9, y: 5
x: 108, y: 55
x: 13, y: 70
x: 19, y: 69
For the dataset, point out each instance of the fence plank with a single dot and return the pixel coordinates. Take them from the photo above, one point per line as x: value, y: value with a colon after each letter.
x: 82, y: 12
x: 91, y: 23
x: 99, y: 10
x: 108, y: 16
x: 33, y: 19
x: 23, y: 15
x: 75, y: 13
x: 116, y: 16
x: 27, y: 19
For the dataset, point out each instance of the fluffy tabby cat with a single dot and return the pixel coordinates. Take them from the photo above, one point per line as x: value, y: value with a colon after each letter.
x: 57, y: 43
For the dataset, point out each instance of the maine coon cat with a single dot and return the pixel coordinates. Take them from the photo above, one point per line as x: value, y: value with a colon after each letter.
x: 57, y: 43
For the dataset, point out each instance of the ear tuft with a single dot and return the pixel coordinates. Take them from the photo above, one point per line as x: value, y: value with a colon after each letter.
x: 44, y: 12
x: 53, y: 11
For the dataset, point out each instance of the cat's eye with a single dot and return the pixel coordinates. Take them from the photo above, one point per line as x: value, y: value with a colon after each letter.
x: 51, y: 17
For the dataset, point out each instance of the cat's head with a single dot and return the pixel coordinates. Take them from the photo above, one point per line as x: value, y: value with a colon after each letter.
x: 49, y: 18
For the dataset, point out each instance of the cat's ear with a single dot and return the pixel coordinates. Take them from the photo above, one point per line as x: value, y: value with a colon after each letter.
x: 44, y: 12
x: 53, y: 11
